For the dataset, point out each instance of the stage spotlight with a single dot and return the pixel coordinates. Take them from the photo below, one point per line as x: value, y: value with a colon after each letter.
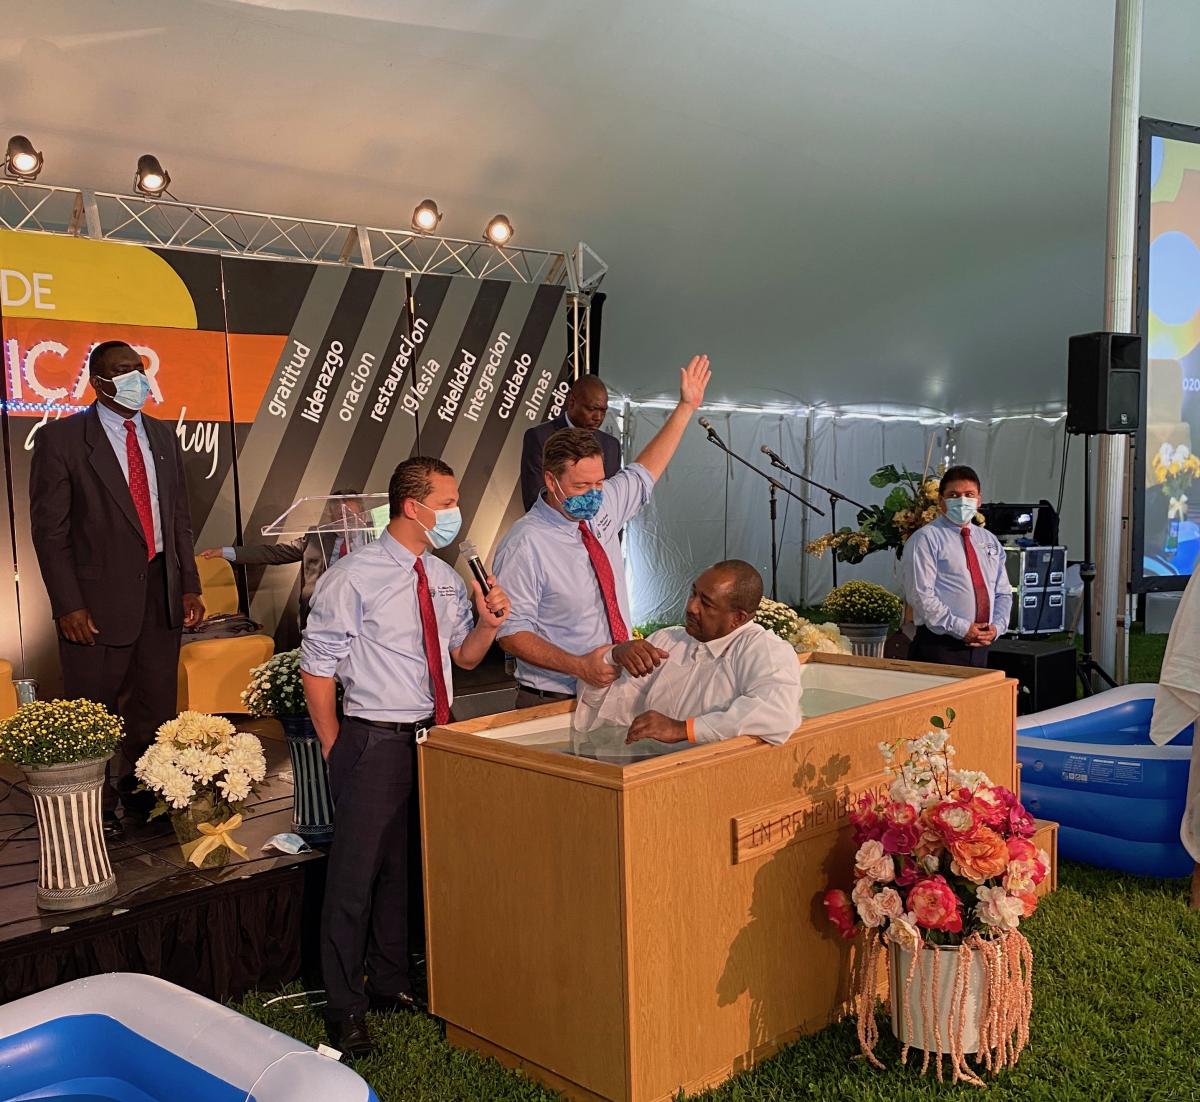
x: 21, y: 160
x: 426, y: 217
x: 151, y: 177
x: 499, y: 230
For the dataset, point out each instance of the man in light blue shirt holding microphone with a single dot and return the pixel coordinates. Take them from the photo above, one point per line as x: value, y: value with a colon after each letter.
x: 561, y: 563
x: 388, y: 620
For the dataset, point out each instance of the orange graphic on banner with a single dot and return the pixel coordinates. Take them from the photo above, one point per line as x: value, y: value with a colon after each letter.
x: 46, y: 364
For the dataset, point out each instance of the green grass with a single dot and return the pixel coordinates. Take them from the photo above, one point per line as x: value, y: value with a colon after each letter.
x: 1116, y: 1019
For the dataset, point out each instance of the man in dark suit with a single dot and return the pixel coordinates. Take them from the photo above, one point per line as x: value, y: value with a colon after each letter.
x: 342, y: 531
x: 113, y: 535
x: 587, y: 405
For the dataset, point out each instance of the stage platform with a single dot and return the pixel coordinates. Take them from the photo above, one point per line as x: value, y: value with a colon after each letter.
x: 220, y: 932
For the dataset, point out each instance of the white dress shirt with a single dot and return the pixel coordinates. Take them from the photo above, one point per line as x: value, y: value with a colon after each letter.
x: 114, y: 428
x: 745, y: 683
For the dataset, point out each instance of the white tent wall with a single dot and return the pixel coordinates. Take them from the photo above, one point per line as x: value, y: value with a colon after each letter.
x: 707, y: 507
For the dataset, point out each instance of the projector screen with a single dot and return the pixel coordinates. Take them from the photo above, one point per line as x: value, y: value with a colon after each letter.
x: 1166, y: 478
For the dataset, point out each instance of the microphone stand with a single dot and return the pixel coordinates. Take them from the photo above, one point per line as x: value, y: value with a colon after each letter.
x: 834, y: 497
x: 776, y: 486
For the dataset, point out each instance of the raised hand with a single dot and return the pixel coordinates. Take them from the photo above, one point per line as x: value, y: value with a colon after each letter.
x: 693, y: 380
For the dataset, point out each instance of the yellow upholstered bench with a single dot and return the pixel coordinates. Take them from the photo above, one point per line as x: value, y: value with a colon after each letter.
x: 213, y: 672
x: 8, y: 692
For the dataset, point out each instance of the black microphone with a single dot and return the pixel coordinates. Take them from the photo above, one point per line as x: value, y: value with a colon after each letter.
x: 706, y: 424
x: 775, y: 460
x: 471, y: 553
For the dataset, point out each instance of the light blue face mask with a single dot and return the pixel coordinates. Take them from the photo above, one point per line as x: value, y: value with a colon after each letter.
x: 446, y: 523
x: 962, y: 510
x: 132, y: 389
x: 581, y: 506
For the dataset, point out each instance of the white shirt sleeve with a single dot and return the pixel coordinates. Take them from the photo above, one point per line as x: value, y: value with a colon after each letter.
x: 769, y: 706
x: 520, y: 576
x: 464, y: 622
x: 334, y: 619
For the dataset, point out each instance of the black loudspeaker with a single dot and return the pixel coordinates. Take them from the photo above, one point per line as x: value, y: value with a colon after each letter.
x: 1104, y: 383
x: 1045, y: 670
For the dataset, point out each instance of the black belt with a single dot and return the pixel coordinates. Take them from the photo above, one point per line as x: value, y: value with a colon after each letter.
x: 543, y: 694
x: 398, y: 728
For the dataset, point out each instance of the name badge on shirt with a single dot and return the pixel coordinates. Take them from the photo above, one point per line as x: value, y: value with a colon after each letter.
x: 445, y: 591
x: 602, y: 526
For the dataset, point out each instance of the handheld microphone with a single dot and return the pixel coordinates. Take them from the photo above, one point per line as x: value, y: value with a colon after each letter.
x: 775, y: 460
x: 471, y: 553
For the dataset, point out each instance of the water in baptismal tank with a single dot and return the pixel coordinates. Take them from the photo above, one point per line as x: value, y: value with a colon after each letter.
x: 817, y: 701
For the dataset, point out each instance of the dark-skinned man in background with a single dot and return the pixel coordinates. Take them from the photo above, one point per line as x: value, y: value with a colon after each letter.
x: 113, y: 535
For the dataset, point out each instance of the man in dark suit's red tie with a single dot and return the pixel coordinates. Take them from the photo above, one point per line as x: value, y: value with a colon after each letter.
x: 113, y: 535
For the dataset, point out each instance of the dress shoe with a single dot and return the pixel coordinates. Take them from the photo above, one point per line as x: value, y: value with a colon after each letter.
x: 398, y: 1003
x: 350, y: 1037
x: 113, y: 830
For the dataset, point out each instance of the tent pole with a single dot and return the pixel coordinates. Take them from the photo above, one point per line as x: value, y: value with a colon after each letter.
x: 1111, y: 626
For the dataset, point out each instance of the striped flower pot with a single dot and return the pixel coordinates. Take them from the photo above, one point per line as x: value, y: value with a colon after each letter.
x: 866, y: 639
x: 312, y: 809
x: 75, y: 869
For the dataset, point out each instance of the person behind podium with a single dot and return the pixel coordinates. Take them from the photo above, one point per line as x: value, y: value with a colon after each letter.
x: 718, y: 676
x: 338, y: 534
x: 955, y: 578
x: 387, y: 620
x: 587, y: 405
x: 561, y: 562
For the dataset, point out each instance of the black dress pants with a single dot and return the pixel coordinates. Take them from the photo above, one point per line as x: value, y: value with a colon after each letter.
x: 928, y: 646
x: 138, y: 682
x: 373, y: 913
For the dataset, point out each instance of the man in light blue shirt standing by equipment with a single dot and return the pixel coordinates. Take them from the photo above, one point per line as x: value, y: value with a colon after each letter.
x: 561, y: 562
x: 387, y: 620
x: 955, y: 579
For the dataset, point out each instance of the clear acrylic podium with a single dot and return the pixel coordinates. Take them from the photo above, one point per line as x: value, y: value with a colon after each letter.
x: 356, y: 519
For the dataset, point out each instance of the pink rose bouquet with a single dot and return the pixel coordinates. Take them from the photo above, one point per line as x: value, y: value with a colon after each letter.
x: 945, y: 855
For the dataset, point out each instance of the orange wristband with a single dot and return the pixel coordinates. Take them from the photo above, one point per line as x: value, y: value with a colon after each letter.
x: 691, y: 730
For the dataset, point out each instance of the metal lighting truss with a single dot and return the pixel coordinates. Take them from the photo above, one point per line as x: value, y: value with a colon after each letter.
x: 170, y: 224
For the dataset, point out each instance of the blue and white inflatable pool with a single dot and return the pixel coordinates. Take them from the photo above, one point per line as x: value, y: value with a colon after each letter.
x: 1118, y: 798
x: 133, y: 1038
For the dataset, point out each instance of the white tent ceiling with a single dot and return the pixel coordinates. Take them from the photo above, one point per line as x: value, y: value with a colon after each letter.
x: 858, y: 202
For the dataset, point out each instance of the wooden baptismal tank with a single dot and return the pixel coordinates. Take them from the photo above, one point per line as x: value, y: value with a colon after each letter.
x: 623, y: 922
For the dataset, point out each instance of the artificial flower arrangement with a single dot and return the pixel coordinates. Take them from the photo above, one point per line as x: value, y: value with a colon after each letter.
x: 56, y: 732
x: 910, y: 504
x: 1174, y: 470
x: 944, y: 861
x: 861, y: 602
x: 803, y: 634
x: 276, y: 688
x: 202, y: 769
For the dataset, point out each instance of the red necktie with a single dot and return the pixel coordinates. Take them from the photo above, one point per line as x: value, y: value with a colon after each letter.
x: 608, y: 588
x: 433, y: 647
x: 139, y: 485
x: 983, y: 599
x: 345, y: 548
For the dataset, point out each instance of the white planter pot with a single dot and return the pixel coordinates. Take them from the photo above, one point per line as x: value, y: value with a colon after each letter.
x: 866, y: 639
x: 75, y: 869
x: 912, y: 1020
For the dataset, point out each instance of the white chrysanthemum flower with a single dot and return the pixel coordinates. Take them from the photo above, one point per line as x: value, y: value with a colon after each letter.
x: 235, y: 787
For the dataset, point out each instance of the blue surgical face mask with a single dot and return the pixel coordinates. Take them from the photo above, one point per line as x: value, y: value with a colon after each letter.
x: 446, y: 523
x: 582, y: 506
x: 962, y: 510
x: 132, y: 389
